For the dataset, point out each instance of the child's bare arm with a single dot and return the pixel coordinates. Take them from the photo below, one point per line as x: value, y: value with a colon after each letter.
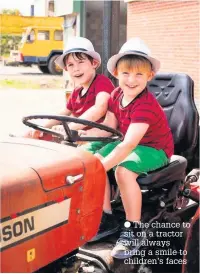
x: 51, y: 123
x: 95, y: 112
x: 110, y: 121
x: 35, y: 134
x: 134, y: 134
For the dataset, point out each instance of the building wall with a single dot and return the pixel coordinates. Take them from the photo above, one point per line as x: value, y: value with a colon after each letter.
x: 40, y: 7
x: 171, y: 30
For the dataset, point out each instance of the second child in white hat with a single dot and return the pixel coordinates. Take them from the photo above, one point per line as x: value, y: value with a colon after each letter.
x: 147, y: 144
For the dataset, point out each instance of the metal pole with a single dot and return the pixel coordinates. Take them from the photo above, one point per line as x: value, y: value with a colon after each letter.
x: 115, y: 27
x: 111, y: 24
x: 115, y: 30
x: 106, y: 50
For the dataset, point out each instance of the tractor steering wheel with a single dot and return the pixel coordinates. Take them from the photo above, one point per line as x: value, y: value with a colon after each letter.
x: 72, y: 135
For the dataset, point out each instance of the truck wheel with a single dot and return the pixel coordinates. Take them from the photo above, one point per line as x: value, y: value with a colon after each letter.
x: 53, y: 68
x: 43, y: 69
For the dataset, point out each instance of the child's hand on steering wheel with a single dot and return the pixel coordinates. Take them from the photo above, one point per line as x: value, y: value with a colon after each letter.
x: 59, y: 128
x: 82, y: 132
x: 33, y: 133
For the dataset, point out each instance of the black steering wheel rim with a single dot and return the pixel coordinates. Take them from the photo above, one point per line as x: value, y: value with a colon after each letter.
x: 72, y: 135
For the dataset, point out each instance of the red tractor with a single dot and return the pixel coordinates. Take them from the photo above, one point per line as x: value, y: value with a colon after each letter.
x: 52, y: 196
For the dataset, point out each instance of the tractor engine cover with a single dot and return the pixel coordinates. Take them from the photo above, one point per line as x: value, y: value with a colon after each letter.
x: 51, y: 201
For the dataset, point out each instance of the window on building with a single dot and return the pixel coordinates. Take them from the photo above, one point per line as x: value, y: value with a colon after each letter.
x: 43, y: 35
x: 58, y: 35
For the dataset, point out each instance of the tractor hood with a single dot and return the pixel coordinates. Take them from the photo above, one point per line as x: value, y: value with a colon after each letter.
x: 52, y: 163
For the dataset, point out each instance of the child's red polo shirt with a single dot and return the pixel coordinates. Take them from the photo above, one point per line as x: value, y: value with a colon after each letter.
x: 144, y: 108
x: 79, y: 104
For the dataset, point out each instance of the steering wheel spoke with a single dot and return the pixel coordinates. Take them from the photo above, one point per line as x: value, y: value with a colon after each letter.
x: 67, y: 131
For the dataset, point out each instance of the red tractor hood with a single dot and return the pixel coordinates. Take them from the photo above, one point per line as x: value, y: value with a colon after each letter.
x: 51, y: 202
x: 47, y: 160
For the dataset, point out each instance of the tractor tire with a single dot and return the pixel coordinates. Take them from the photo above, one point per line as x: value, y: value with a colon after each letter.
x: 43, y: 69
x: 53, y: 68
x: 192, y: 246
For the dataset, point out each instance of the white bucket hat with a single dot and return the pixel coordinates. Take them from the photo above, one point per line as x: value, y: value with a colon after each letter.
x: 78, y: 44
x: 133, y: 46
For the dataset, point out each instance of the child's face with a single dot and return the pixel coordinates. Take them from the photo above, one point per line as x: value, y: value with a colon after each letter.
x: 133, y: 81
x: 81, y: 71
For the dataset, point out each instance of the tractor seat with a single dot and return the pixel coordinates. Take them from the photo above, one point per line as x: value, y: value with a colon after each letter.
x: 174, y: 171
x: 175, y: 93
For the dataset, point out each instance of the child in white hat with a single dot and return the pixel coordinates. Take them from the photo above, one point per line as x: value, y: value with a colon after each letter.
x: 89, y: 100
x: 147, y: 144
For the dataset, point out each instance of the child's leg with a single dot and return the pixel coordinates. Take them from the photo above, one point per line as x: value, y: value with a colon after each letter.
x: 130, y: 237
x: 106, y: 203
x: 141, y: 160
x: 130, y: 193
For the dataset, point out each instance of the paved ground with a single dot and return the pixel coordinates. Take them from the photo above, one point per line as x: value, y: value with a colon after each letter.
x: 14, y: 104
x: 30, y: 76
x: 19, y: 71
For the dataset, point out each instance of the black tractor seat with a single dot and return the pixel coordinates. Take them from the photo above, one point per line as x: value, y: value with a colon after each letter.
x: 175, y: 93
x: 162, y: 176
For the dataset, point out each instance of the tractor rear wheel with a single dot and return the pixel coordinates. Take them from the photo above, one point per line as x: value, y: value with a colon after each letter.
x: 192, y: 246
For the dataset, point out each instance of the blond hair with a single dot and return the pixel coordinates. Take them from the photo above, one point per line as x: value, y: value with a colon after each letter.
x: 133, y: 63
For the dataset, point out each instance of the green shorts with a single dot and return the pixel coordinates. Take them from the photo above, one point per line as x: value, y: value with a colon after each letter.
x: 142, y: 159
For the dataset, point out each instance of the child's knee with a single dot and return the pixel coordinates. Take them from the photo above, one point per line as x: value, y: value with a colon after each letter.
x: 123, y: 173
x: 120, y: 171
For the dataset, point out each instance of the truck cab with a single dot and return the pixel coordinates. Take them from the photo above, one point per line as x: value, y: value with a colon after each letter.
x: 41, y: 46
